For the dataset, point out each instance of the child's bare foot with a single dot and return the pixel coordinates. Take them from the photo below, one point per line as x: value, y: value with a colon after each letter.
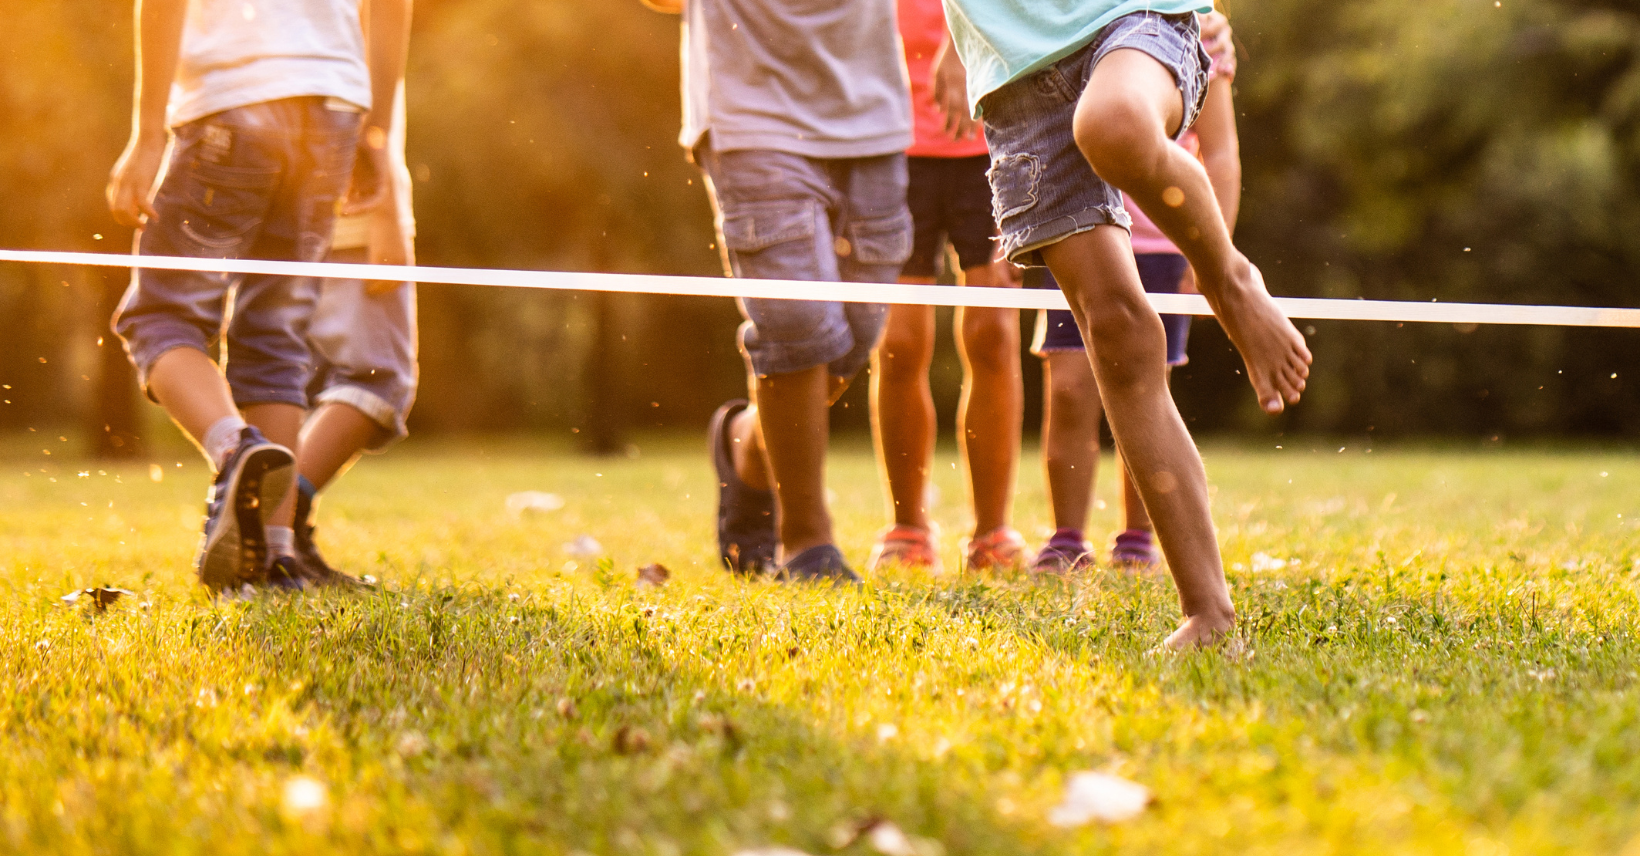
x: 1201, y: 631
x: 1274, y: 351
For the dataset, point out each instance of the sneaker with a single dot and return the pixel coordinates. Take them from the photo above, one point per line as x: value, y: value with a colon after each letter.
x: 1059, y: 557
x: 1000, y: 548
x: 1135, y: 550
x: 746, y: 533
x: 820, y: 564
x: 234, y: 549
x: 312, y: 567
x: 285, y: 573
x: 906, y: 546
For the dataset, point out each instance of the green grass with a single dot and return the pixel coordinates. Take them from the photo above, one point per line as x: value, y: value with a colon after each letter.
x: 1444, y: 662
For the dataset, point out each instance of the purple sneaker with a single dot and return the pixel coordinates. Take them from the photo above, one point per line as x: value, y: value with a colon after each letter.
x: 1135, y: 550
x: 1066, y: 551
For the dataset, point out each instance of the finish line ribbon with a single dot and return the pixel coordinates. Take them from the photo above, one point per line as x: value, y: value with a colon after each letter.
x: 847, y: 292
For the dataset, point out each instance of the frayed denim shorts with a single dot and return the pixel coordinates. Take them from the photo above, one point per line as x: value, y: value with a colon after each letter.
x: 1042, y: 188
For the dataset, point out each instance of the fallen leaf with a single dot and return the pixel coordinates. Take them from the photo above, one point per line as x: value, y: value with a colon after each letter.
x: 532, y: 502
x: 584, y: 547
x: 1099, y: 796
x: 98, y: 599
x: 566, y: 708
x: 654, y: 574
x: 630, y: 740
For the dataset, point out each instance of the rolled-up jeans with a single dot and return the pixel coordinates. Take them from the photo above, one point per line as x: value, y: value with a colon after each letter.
x: 786, y: 216
x: 255, y: 182
x: 364, y: 349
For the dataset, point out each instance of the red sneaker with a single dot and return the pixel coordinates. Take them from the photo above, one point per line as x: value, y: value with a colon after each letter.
x: 997, y: 549
x: 908, y: 547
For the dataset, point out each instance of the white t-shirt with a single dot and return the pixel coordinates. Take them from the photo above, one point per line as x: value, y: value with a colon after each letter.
x: 241, y: 52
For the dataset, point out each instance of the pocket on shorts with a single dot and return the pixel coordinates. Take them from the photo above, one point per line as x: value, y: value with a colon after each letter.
x: 224, y: 203
x: 882, y: 240
x: 752, y: 228
x: 1014, y: 185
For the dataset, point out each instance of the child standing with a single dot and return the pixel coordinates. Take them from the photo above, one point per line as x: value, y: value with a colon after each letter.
x: 950, y: 204
x: 1081, y: 101
x: 799, y: 114
x: 363, y: 337
x: 269, y: 105
x: 1070, y: 432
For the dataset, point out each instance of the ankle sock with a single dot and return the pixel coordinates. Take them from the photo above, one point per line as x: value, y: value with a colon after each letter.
x: 281, y: 541
x: 222, y: 438
x: 1072, y: 537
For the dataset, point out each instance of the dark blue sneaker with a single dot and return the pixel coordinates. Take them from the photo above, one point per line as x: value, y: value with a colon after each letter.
x: 284, y: 573
x: 822, y: 564
x: 311, y: 567
x: 249, y: 487
x: 746, y: 533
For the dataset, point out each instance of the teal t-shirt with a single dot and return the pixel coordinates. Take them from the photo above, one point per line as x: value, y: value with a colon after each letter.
x: 1001, y: 41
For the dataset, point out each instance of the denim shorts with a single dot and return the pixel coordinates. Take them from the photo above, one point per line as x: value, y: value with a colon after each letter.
x: 950, y: 204
x: 1160, y: 273
x: 256, y: 182
x: 364, y: 349
x: 786, y: 216
x: 1042, y: 188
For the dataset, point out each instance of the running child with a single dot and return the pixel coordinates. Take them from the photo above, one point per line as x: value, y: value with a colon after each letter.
x: 950, y: 205
x: 1070, y: 422
x: 269, y: 106
x: 1081, y: 101
x: 363, y: 337
x: 799, y: 114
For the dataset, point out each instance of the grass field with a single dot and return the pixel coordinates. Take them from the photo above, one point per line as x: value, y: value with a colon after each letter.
x: 1440, y: 657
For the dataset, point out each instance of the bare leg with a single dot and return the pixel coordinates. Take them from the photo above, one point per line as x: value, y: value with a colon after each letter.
x: 1133, y: 506
x: 1070, y: 437
x: 332, y: 441
x: 902, y: 407
x: 1127, y: 348
x: 993, y: 403
x: 1123, y: 123
x: 780, y: 442
x: 192, y: 390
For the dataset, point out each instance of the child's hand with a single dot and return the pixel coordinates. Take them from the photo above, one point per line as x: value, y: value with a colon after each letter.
x: 949, y: 81
x: 131, y: 183
x: 1216, y: 35
x: 370, y: 174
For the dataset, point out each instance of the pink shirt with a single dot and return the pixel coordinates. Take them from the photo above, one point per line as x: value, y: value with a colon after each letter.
x: 922, y: 28
x: 1146, y: 237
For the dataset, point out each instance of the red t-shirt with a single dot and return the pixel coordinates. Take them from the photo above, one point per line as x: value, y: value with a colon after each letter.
x: 922, y: 28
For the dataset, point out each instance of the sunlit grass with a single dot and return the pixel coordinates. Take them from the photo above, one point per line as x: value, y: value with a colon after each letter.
x: 1442, y: 659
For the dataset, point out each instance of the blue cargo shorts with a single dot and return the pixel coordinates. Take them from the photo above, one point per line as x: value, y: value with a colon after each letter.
x: 786, y: 216
x: 364, y: 349
x: 255, y: 182
x: 1042, y: 188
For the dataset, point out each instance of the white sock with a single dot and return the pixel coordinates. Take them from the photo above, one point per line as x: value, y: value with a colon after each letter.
x: 222, y: 439
x: 281, y: 542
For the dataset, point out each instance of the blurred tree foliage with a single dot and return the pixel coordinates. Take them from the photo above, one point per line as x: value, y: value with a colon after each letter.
x: 1450, y: 149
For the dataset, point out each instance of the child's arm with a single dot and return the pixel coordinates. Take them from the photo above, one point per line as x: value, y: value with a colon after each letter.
x: 1221, y: 148
x: 950, y: 86
x: 670, y: 7
x: 159, y: 45
x: 1216, y: 126
x: 387, y: 34
x: 390, y: 238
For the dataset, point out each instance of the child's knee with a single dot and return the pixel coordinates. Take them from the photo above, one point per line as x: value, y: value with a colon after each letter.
x: 990, y: 339
x: 1129, y: 343
x: 906, y: 347
x: 1116, y: 132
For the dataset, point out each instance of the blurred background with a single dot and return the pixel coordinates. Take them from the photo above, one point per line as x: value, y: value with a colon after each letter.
x: 1461, y: 150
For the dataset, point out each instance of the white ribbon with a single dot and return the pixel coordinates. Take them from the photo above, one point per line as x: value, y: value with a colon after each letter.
x: 849, y: 292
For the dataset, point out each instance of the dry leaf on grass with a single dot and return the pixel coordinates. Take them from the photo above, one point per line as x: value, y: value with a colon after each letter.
x: 1099, y: 797
x: 532, y: 502
x: 98, y: 599
x: 654, y: 574
x: 630, y: 740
